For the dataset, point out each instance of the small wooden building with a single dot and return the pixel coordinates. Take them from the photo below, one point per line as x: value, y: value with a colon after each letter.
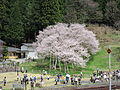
x: 13, y: 53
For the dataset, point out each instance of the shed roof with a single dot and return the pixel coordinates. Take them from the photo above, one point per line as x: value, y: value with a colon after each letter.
x: 1, y: 41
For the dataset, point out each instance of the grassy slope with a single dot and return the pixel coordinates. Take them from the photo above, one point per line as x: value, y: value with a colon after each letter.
x: 101, y: 61
x: 106, y: 36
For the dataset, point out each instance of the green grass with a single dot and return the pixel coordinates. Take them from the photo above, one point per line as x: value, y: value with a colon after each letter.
x: 99, y: 60
x: 40, y: 65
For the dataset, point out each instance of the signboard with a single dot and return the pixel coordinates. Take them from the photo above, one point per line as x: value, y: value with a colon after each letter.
x: 109, y: 51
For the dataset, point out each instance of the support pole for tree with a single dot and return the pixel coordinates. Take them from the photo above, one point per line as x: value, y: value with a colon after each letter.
x: 55, y: 62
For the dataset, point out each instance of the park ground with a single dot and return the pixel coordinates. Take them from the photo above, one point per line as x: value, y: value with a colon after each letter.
x: 12, y: 79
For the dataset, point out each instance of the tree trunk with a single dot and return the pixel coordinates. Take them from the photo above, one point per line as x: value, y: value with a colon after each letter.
x: 53, y: 62
x: 50, y: 61
x: 56, y: 63
x: 72, y: 65
x: 65, y: 67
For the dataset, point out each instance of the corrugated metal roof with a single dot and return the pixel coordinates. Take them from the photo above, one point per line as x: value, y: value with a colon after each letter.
x: 28, y: 44
x: 12, y: 49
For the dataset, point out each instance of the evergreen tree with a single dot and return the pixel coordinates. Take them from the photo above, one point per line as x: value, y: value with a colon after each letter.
x: 113, y: 14
x: 15, y: 30
x: 48, y: 12
x: 4, y: 17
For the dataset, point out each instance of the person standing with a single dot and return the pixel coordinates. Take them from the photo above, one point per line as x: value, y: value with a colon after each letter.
x: 21, y: 79
x: 79, y: 81
x: 81, y: 74
x: 17, y: 72
x: 48, y: 77
x: 56, y: 80
x: 31, y: 78
x: 32, y: 85
x: 58, y: 77
x: 4, y: 81
x: 76, y: 80
x: 22, y: 70
x: 72, y: 80
x: 18, y: 78
x: 41, y: 78
x: 67, y: 78
x: 34, y: 78
x: 26, y: 71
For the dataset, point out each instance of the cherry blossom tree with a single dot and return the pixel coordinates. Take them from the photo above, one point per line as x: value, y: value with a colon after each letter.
x: 72, y: 43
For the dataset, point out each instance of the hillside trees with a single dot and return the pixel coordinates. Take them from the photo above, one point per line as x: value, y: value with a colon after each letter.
x: 15, y: 30
x: 21, y: 19
x: 82, y: 11
x: 93, y: 11
x: 12, y: 31
x: 113, y: 14
x: 4, y: 17
x: 30, y: 26
x: 70, y: 43
x: 50, y: 12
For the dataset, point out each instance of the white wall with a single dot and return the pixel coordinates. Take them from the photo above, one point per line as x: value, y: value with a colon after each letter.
x: 30, y: 52
x: 32, y: 55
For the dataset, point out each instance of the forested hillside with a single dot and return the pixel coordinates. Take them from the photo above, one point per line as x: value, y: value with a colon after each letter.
x: 20, y: 20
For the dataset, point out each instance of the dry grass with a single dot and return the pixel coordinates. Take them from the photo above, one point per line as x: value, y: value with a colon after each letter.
x: 106, y: 35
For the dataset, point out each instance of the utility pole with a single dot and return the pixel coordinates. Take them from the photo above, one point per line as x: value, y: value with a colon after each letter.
x: 109, y: 53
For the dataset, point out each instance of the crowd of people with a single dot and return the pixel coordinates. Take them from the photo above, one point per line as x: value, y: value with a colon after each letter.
x: 75, y: 79
x: 101, y: 76
x: 32, y: 80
